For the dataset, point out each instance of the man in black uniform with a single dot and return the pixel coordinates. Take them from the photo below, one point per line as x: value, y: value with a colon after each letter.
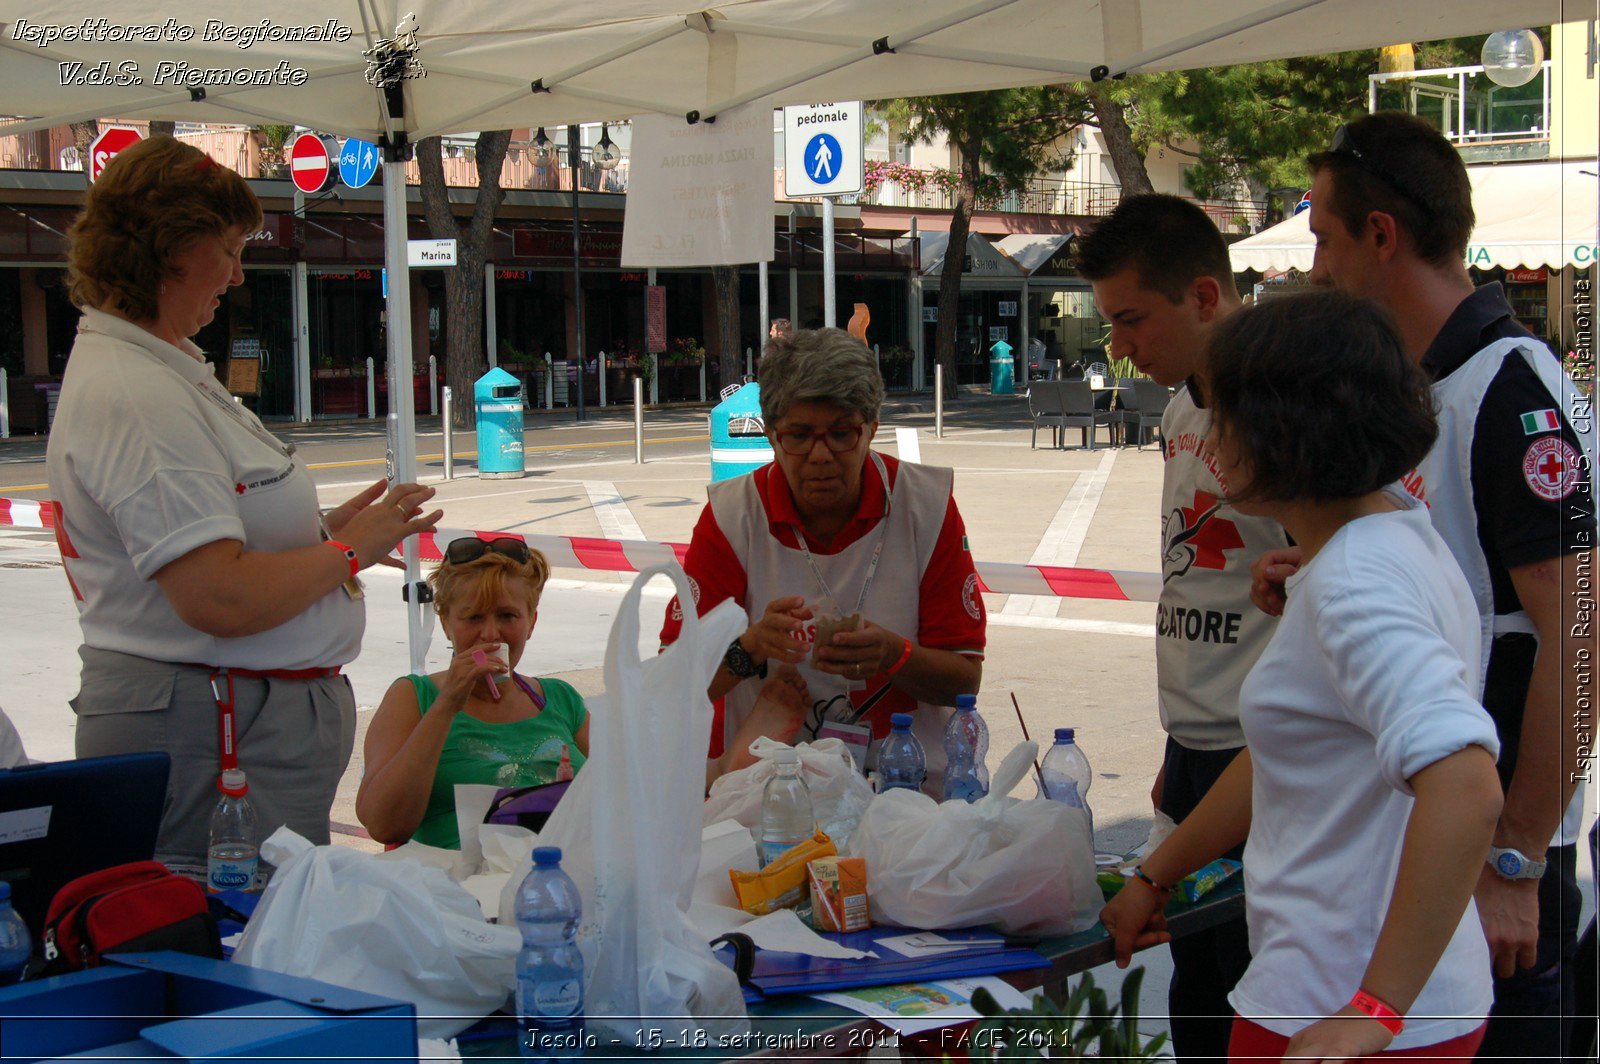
x: 1391, y: 211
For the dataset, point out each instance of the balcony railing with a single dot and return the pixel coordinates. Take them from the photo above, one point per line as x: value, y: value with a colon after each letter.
x: 1483, y: 120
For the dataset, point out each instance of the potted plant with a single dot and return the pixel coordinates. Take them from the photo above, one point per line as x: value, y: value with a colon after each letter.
x: 1082, y: 1026
x: 683, y: 351
x: 273, y: 138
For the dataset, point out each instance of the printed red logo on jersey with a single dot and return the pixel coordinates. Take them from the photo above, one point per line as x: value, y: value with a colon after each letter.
x: 676, y: 609
x: 969, y: 597
x: 1195, y: 537
x: 1552, y: 467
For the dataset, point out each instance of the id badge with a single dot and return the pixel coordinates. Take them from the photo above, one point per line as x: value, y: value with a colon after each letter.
x: 857, y: 739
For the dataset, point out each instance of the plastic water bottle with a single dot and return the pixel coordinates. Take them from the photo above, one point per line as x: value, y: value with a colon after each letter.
x: 787, y: 818
x: 15, y: 943
x: 234, y: 852
x: 1067, y: 774
x: 549, y: 966
x: 966, y: 743
x: 901, y: 762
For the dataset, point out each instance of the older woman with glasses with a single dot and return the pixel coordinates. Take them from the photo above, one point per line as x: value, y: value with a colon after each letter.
x: 830, y: 530
x: 479, y: 721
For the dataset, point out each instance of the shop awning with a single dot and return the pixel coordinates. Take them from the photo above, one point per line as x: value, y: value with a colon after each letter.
x: 1529, y: 214
x: 983, y: 258
x: 1033, y: 251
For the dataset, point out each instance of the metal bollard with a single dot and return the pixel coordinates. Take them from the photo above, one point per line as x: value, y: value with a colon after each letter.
x: 372, y: 391
x: 433, y: 384
x: 449, y: 438
x: 938, y: 401
x: 638, y: 421
x: 5, y: 406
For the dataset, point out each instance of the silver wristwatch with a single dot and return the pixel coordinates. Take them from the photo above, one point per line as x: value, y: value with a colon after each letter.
x: 1514, y: 864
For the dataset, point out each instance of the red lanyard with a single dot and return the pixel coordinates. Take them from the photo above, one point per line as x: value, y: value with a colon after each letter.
x: 227, y: 754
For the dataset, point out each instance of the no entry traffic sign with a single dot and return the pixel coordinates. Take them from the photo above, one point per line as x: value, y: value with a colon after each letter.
x: 310, y: 164
x: 105, y: 147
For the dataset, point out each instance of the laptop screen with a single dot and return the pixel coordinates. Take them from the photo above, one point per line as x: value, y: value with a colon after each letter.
x: 65, y: 819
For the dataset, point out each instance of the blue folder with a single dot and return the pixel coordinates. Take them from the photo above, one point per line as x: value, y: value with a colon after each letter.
x: 773, y: 973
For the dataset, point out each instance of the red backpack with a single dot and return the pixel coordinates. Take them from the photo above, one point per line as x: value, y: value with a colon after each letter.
x: 131, y: 907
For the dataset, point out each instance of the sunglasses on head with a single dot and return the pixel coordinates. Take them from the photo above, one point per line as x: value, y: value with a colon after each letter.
x: 1344, y: 145
x: 462, y: 551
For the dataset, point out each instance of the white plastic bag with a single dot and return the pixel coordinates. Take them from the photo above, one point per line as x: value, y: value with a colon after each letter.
x: 839, y: 793
x: 629, y: 829
x: 1026, y: 867
x: 391, y: 927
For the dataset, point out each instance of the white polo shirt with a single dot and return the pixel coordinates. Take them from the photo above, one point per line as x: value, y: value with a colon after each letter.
x: 1370, y: 677
x: 149, y: 459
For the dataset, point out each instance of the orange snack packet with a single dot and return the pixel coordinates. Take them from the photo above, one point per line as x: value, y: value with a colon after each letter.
x: 782, y: 884
x: 839, y: 893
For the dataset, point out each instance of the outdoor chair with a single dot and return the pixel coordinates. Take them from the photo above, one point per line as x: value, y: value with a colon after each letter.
x: 1078, y: 411
x: 1044, y: 406
x: 1149, y: 403
x: 1127, y: 406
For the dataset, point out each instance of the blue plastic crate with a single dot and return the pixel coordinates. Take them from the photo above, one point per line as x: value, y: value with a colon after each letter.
x: 167, y: 1006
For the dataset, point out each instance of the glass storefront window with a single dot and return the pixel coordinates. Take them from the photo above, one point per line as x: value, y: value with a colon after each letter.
x: 257, y: 316
x: 346, y: 329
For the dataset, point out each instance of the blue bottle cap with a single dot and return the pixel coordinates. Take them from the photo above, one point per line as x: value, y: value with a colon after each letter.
x: 1064, y: 735
x: 901, y: 721
x: 547, y: 856
x: 966, y: 701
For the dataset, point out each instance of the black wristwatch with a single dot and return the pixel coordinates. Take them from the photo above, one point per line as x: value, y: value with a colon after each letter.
x: 741, y: 664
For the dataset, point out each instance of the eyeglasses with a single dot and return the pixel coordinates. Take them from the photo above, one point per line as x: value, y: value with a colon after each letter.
x: 1344, y: 144
x: 838, y: 440
x: 462, y: 551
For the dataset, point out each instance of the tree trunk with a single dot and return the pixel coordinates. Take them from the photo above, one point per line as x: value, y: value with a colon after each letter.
x: 955, y: 253
x: 159, y: 128
x: 729, y: 358
x: 465, y: 358
x: 1112, y: 119
x: 83, y: 134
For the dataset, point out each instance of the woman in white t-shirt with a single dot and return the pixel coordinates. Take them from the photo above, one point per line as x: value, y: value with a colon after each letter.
x: 217, y: 604
x: 1368, y: 791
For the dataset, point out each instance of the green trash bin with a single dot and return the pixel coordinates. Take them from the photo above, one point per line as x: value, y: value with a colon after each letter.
x: 497, y: 397
x: 738, y: 435
x: 1001, y: 369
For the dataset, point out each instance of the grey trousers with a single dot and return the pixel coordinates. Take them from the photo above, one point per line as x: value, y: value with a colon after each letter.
x: 294, y: 739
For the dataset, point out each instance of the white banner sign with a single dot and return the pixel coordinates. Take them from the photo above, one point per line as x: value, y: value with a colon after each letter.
x: 700, y: 195
x: 822, y: 149
x: 431, y: 252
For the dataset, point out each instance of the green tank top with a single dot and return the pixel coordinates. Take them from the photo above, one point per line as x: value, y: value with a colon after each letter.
x: 523, y: 753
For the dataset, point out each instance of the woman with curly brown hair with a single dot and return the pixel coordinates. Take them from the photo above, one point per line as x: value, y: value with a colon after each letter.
x: 217, y: 604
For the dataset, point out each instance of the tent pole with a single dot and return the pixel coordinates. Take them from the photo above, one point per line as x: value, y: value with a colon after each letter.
x: 401, y: 459
x: 577, y: 261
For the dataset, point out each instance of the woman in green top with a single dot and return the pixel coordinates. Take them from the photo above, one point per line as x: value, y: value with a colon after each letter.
x: 433, y: 732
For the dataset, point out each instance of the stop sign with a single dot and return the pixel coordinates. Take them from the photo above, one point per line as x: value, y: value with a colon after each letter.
x: 310, y: 165
x: 104, y: 147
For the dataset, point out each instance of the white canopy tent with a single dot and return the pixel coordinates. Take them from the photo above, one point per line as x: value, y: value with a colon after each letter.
x: 1529, y: 214
x: 469, y: 64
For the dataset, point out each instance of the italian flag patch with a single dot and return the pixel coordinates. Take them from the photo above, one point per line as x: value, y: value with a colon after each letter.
x: 1537, y: 421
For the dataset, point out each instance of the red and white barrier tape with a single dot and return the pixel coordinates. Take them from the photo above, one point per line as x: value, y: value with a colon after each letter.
x: 27, y: 513
x: 631, y: 555
x: 998, y: 578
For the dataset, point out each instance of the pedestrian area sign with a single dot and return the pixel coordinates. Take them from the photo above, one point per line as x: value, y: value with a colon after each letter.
x: 822, y: 149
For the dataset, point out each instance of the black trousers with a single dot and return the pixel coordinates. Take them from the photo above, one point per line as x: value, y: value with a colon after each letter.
x: 1207, y: 964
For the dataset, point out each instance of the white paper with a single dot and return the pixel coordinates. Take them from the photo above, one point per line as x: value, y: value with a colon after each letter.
x: 932, y: 944
x: 700, y: 195
x: 785, y: 932
x: 911, y: 1008
x: 24, y: 824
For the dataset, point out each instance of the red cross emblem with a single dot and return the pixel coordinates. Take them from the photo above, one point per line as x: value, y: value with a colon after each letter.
x: 1552, y: 467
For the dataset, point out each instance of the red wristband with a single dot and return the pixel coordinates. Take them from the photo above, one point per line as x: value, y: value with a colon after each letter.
x: 905, y: 656
x: 349, y: 553
x: 1139, y: 874
x: 1379, y: 1010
